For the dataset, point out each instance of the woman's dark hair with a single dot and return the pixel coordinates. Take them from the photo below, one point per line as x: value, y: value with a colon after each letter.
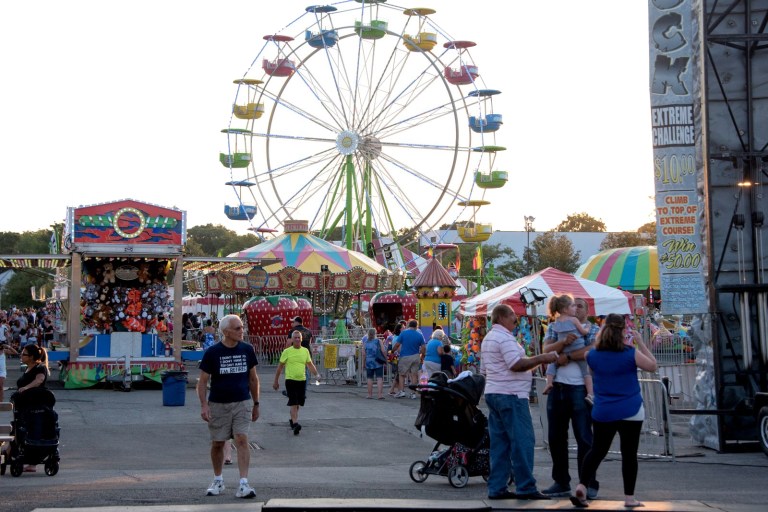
x: 37, y: 354
x: 398, y: 329
x: 611, y: 336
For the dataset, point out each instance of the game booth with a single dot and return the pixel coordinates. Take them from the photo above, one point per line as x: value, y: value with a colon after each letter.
x: 127, y: 269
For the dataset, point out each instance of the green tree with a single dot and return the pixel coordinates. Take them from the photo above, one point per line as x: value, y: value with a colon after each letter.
x: 193, y: 248
x: 8, y: 242
x: 217, y: 240
x: 552, y: 249
x: 18, y: 289
x: 581, y: 222
x: 645, y: 235
x: 506, y: 265
x: 35, y: 242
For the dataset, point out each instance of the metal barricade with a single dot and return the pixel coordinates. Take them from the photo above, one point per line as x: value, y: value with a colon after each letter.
x: 677, y: 370
x: 656, y: 440
x: 268, y: 348
x: 338, y: 363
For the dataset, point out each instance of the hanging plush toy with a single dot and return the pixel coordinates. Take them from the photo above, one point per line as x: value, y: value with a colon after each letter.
x: 109, y: 274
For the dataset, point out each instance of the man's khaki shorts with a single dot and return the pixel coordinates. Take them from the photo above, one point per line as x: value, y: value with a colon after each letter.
x: 409, y: 364
x: 228, y: 419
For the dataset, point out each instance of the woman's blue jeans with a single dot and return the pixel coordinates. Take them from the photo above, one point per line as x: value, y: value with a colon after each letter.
x: 512, y: 443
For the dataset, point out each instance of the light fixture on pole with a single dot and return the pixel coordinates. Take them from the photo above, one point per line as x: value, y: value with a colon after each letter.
x: 324, y: 302
x: 528, y: 228
x: 531, y: 297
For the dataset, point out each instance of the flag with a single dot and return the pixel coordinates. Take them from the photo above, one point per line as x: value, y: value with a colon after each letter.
x: 430, y: 252
x: 458, y: 261
x: 477, y: 260
x: 53, y: 244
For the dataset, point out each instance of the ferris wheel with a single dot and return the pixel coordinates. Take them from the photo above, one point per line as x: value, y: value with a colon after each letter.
x: 361, y: 116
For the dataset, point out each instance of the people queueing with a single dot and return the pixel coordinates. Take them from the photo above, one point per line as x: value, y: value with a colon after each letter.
x: 232, y: 403
x: 508, y: 384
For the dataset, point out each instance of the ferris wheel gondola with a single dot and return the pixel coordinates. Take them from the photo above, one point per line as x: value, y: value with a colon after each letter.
x: 487, y: 121
x: 467, y: 72
x: 241, y: 211
x: 322, y: 37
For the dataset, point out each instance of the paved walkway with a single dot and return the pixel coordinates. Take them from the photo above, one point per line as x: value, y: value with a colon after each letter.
x: 128, y: 452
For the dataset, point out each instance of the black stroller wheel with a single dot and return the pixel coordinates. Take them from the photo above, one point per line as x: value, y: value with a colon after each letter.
x: 418, y: 471
x: 51, y: 468
x: 458, y: 476
x: 17, y: 468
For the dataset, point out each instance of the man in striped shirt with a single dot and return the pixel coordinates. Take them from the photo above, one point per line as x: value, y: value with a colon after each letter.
x: 507, y: 388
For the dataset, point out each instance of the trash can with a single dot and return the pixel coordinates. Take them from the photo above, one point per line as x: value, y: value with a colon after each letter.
x: 174, y: 387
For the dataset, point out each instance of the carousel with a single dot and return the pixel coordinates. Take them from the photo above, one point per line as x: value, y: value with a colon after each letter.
x: 331, y: 277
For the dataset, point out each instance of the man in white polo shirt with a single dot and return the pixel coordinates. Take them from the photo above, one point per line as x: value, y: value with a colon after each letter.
x: 508, y: 381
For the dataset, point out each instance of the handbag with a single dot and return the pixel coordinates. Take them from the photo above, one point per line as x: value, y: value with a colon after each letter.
x: 380, y: 357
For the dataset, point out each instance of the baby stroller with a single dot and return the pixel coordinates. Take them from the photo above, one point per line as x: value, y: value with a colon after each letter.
x: 450, y: 416
x: 35, y: 431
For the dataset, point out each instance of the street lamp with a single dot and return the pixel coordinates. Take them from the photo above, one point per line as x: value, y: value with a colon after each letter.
x: 528, y: 228
x: 324, y: 271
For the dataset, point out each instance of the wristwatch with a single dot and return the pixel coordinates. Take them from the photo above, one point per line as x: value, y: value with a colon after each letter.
x: 568, y: 356
x: 255, y: 402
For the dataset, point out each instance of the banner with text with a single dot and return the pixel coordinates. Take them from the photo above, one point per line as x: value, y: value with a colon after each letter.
x: 675, y: 121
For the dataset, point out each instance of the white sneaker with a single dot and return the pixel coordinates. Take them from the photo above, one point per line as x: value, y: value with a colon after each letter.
x: 245, y: 491
x: 400, y: 395
x: 215, y: 488
x: 413, y: 396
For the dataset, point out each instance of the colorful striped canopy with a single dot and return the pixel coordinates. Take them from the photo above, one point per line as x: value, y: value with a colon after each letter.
x: 630, y: 268
x: 602, y: 299
x: 307, y: 253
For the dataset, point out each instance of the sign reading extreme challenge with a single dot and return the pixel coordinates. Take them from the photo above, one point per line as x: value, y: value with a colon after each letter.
x: 674, y: 122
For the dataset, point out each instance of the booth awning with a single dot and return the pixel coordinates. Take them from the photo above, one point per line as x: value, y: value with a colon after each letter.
x: 201, y: 263
x: 35, y: 260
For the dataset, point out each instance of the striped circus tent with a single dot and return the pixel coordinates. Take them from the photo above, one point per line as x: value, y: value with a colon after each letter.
x: 602, y: 299
x: 633, y: 269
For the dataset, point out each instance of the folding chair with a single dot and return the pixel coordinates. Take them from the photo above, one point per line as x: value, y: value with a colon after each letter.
x: 331, y: 365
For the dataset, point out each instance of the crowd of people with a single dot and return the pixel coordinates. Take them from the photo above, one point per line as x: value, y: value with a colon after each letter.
x: 22, y: 326
x: 592, y: 387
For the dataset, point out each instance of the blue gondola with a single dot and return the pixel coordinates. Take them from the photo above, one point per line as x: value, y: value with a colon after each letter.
x: 241, y: 212
x: 485, y: 123
x: 322, y: 38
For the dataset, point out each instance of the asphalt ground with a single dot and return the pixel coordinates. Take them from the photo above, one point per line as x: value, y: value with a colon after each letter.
x: 127, y: 451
